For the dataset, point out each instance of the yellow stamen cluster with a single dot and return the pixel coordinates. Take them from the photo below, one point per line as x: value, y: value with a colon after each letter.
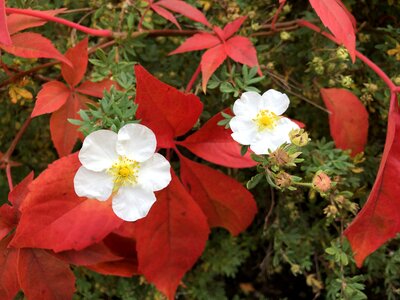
x: 125, y: 172
x: 266, y: 119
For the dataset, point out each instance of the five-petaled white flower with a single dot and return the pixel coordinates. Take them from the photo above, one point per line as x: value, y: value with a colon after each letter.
x: 258, y: 121
x: 124, y: 165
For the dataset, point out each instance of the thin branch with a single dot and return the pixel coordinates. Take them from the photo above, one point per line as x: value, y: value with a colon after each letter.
x: 277, y: 14
x: 193, y: 79
x: 9, y: 177
x: 6, y: 157
x: 44, y: 16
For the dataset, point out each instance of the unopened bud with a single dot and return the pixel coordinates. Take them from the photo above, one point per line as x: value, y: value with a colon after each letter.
x: 342, y: 53
x: 331, y: 210
x: 284, y: 35
x: 279, y: 157
x: 321, y: 182
x: 299, y: 137
x: 283, y: 179
x: 347, y: 81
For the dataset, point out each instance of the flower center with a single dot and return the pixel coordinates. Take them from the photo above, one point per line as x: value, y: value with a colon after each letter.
x: 266, y: 119
x: 124, y: 171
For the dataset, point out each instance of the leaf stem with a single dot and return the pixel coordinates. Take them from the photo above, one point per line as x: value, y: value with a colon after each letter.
x: 9, y: 177
x: 44, y: 16
x: 193, y: 79
x: 273, y: 23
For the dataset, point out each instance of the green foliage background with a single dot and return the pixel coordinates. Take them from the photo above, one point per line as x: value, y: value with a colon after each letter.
x: 294, y: 249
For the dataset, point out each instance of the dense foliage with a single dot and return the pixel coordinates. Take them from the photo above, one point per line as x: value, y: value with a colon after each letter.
x: 295, y: 246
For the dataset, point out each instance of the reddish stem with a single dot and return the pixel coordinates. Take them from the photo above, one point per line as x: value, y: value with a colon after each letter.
x: 44, y: 16
x: 362, y: 57
x: 277, y: 15
x: 9, y: 177
x: 193, y: 79
x: 6, y: 157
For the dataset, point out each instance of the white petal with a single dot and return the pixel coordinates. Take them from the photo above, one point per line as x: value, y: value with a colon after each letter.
x: 244, y: 130
x: 95, y: 185
x: 275, y: 101
x: 154, y: 173
x: 99, y: 150
x: 272, y: 139
x: 132, y: 202
x: 247, y: 105
x: 284, y: 126
x: 136, y: 141
x: 267, y: 140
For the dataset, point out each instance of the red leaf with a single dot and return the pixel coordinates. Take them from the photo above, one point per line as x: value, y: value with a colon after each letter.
x: 210, y: 61
x: 123, y: 247
x: 215, y: 144
x: 164, y: 109
x: 4, y: 32
x: 8, y: 220
x: 348, y: 120
x: 9, y: 285
x: 185, y: 9
x: 54, y: 217
x: 43, y: 276
x: 78, y: 56
x: 63, y: 133
x: 224, y: 201
x: 335, y: 16
x: 96, y: 89
x: 240, y: 49
x: 231, y: 28
x: 165, y: 14
x: 171, y: 238
x: 50, y: 98
x: 199, y: 41
x: 18, y: 194
x: 378, y: 221
x: 33, y: 45
x: 17, y: 22
x: 94, y: 254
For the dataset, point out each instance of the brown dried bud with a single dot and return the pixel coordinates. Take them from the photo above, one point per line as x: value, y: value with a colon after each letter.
x: 331, y: 210
x: 279, y: 157
x: 283, y: 179
x: 321, y: 182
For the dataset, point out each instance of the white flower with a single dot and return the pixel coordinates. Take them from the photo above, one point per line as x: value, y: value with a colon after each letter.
x: 123, y: 165
x: 258, y: 121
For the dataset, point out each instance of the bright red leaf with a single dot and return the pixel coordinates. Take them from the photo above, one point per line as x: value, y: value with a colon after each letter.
x: 33, y: 45
x: 215, y: 144
x: 9, y: 285
x: 63, y: 133
x: 165, y: 14
x: 241, y: 50
x: 94, y: 254
x: 171, y: 238
x: 224, y: 201
x: 78, y: 56
x: 348, y: 120
x: 125, y: 248
x: 43, y: 276
x: 210, y: 61
x: 378, y: 221
x: 8, y: 219
x: 220, y: 46
x: 184, y: 9
x: 4, y: 32
x: 96, y: 89
x: 199, y: 41
x: 51, y: 97
x: 54, y: 217
x: 20, y: 191
x: 167, y: 111
x: 18, y: 22
x: 336, y: 17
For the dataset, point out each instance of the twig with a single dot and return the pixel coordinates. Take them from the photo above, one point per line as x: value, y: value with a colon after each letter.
x: 44, y: 16
x: 193, y: 79
x: 9, y: 177
x: 277, y: 15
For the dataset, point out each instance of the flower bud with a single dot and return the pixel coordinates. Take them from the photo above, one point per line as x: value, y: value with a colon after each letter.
x: 284, y: 35
x: 331, y: 210
x: 347, y: 81
x: 279, y: 157
x: 299, y: 137
x: 321, y: 182
x: 283, y: 179
x: 342, y: 53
